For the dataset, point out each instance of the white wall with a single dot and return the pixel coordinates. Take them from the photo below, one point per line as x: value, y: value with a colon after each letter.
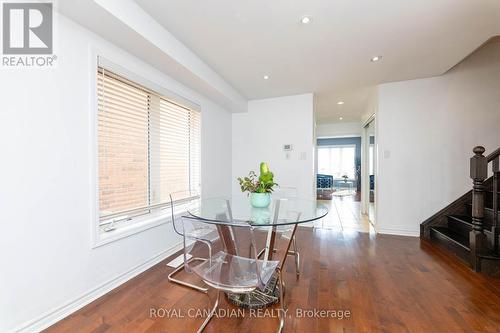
x: 426, y: 131
x: 46, y: 211
x: 259, y: 135
x: 338, y: 130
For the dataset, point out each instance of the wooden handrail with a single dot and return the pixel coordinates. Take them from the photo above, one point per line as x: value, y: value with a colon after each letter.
x: 493, y: 155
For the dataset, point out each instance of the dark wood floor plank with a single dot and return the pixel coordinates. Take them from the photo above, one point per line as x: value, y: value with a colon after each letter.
x: 388, y: 283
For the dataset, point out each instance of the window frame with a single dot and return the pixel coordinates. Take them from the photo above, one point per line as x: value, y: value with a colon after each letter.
x: 140, y: 222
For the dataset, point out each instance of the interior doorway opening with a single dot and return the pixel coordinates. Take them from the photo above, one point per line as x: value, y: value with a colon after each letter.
x: 339, y: 179
x: 338, y: 167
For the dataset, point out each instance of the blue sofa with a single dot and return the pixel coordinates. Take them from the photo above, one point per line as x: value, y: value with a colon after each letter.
x: 324, y: 181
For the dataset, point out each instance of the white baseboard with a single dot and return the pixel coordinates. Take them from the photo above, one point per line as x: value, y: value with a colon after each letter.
x: 398, y: 232
x: 62, y: 312
x: 176, y: 262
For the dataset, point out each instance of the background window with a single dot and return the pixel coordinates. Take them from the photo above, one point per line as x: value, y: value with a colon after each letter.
x: 337, y: 161
x: 148, y: 145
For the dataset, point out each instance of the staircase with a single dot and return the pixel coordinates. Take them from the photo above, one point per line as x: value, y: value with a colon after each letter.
x: 469, y: 226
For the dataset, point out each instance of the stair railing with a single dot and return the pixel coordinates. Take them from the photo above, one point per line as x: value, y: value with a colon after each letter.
x: 479, y: 173
x: 495, y: 158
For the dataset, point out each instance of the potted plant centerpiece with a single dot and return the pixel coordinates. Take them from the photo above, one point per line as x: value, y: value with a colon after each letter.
x: 259, y: 188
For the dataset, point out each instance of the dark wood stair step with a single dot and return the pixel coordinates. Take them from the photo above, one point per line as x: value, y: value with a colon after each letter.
x: 452, y: 236
x: 488, y: 215
x: 488, y: 200
x: 461, y: 224
x: 489, y: 255
x: 454, y: 242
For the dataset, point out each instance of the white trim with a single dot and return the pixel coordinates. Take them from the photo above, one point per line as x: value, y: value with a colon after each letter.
x: 369, y: 120
x: 62, y: 312
x: 93, y: 158
x: 343, y: 136
x: 138, y: 225
x: 365, y: 177
x: 365, y: 168
x: 336, y: 146
x: 398, y: 232
x: 179, y: 260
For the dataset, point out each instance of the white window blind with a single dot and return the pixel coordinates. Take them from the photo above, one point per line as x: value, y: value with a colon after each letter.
x: 149, y: 146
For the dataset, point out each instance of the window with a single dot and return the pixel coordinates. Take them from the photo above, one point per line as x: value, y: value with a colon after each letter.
x: 337, y: 161
x: 148, y: 147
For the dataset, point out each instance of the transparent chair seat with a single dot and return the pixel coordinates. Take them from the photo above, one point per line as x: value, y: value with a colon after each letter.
x: 234, y: 274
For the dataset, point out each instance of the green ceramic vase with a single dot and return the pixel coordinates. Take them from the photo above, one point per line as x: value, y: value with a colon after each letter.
x: 260, y: 200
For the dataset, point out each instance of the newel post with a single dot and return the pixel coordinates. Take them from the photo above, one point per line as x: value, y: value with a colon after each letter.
x: 478, y: 173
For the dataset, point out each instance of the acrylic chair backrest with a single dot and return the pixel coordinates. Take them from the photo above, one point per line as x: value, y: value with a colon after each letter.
x: 180, y: 201
x: 211, y: 250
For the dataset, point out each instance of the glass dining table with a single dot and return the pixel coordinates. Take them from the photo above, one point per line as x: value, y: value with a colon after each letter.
x: 282, y: 213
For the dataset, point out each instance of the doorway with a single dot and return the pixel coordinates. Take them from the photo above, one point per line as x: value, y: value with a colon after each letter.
x: 338, y: 166
x: 339, y: 183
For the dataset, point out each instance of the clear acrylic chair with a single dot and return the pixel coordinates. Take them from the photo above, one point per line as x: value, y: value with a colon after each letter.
x: 288, y: 192
x: 179, y: 203
x: 227, y: 265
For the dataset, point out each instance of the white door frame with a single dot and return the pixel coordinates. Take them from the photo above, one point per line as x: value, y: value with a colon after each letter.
x: 365, y: 167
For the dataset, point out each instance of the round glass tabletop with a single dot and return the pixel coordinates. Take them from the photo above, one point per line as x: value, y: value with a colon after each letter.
x: 238, y: 209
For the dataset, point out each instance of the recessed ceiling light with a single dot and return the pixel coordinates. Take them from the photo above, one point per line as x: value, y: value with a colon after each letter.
x: 376, y: 58
x: 306, y: 19
x: 340, y: 118
x: 340, y: 102
x: 266, y: 77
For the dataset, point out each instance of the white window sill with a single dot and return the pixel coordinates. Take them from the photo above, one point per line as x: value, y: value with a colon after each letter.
x: 132, y: 227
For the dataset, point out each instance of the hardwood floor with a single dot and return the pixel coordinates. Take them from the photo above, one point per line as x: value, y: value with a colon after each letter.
x: 387, y: 283
x: 344, y: 215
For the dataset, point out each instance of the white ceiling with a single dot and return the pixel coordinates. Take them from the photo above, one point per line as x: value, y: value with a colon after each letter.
x: 245, y: 40
x: 223, y: 48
